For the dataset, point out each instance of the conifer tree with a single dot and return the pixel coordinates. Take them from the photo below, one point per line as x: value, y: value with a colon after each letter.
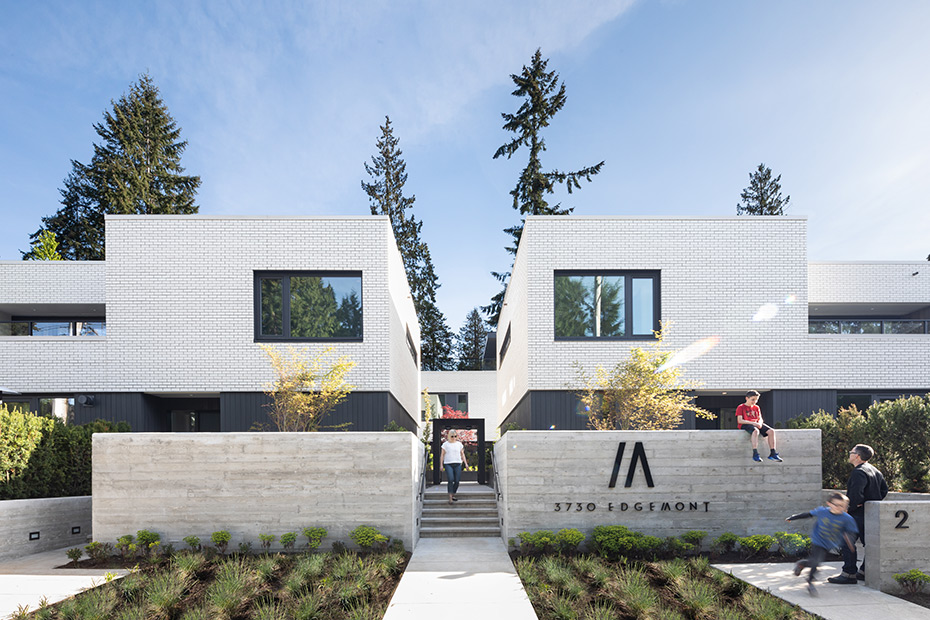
x: 543, y: 95
x: 471, y: 341
x: 388, y: 172
x: 763, y: 196
x: 135, y: 169
x: 45, y: 247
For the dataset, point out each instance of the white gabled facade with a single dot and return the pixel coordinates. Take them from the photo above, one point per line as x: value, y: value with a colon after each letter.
x: 743, y: 281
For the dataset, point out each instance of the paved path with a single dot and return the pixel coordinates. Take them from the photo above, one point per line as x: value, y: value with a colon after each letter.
x: 460, y: 579
x: 26, y: 581
x: 833, y: 602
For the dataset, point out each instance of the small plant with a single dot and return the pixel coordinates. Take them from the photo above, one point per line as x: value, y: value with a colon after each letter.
x: 913, y: 581
x: 147, y: 541
x: 536, y: 542
x: 755, y: 545
x: 694, y: 537
x: 792, y: 545
x: 339, y: 547
x: 245, y: 547
x: 98, y: 551
x: 676, y: 547
x: 74, y: 554
x: 725, y: 543
x: 193, y: 542
x: 267, y: 540
x: 567, y: 540
x: 315, y: 536
x: 123, y: 543
x: 221, y: 540
x: 397, y: 545
x: 289, y: 538
x: 367, y: 537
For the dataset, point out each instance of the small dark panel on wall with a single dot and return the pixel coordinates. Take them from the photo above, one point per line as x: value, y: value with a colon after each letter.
x: 76, y: 529
x: 33, y: 536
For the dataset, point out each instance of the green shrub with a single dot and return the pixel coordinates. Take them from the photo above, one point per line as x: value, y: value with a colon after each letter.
x: 694, y: 537
x: 98, y: 551
x: 755, y: 545
x: 725, y: 543
x: 366, y: 537
x: 568, y: 539
x: 267, y: 540
x: 536, y: 542
x: 74, y: 554
x: 315, y: 536
x: 677, y: 547
x: 792, y: 545
x: 614, y: 541
x: 221, y: 539
x: 193, y: 542
x: 245, y: 547
x: 289, y: 538
x: 123, y: 543
x: 913, y: 581
x: 43, y: 457
x: 148, y: 541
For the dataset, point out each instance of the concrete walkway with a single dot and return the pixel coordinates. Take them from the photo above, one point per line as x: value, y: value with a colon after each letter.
x: 460, y: 579
x: 26, y: 581
x: 833, y: 602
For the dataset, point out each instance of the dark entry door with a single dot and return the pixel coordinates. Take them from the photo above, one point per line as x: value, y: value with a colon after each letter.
x: 442, y: 424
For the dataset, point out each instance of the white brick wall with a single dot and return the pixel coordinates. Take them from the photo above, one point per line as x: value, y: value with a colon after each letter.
x: 179, y: 292
x: 865, y: 283
x: 52, y: 282
x: 716, y: 273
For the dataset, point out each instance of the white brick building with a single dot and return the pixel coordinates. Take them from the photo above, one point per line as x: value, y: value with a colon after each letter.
x: 742, y: 282
x: 180, y: 307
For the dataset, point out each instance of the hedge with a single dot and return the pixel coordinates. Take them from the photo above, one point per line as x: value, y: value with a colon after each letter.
x: 43, y: 457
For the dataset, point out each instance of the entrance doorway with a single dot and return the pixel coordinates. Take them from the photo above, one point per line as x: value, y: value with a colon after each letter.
x: 440, y: 425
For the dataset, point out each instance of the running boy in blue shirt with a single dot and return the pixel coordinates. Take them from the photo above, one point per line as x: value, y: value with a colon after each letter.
x: 832, y: 527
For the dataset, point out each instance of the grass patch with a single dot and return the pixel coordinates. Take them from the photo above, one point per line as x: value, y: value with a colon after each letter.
x: 195, y: 586
x: 588, y: 587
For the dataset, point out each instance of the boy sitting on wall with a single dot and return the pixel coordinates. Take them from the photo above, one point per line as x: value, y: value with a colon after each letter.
x: 749, y: 419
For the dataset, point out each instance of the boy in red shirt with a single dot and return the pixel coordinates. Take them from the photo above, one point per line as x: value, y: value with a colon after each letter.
x: 749, y: 419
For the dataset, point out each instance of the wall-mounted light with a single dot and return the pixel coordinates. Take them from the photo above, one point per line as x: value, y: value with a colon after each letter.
x: 33, y: 536
x: 85, y: 400
x: 76, y: 529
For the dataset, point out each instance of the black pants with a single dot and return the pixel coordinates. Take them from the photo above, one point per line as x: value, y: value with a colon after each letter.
x: 850, y: 557
x: 813, y: 560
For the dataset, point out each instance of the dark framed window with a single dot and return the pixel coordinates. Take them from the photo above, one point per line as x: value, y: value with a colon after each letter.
x: 606, y: 304
x: 308, y: 305
x: 867, y: 326
x: 412, y: 347
x: 505, y: 344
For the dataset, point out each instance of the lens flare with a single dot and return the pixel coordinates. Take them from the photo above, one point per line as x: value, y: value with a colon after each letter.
x: 790, y: 299
x: 690, y: 352
x: 552, y: 428
x: 765, y: 312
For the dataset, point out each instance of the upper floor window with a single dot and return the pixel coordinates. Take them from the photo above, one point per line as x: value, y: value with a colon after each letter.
x: 868, y: 326
x: 54, y: 327
x: 606, y: 304
x: 308, y: 305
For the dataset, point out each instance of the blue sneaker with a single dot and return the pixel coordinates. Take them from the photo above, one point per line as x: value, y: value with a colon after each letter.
x: 774, y: 457
x: 757, y: 458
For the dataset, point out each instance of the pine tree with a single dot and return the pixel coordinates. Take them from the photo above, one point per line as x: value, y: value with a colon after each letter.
x: 136, y: 169
x: 45, y: 247
x: 386, y: 197
x: 763, y: 196
x: 543, y: 96
x: 471, y: 341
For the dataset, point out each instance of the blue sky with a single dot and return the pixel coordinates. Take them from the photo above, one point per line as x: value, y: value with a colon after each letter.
x: 281, y: 104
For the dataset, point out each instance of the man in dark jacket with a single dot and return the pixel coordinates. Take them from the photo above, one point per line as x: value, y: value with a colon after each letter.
x: 865, y: 484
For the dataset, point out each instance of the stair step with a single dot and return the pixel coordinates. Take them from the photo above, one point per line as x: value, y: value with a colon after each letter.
x: 461, y: 532
x: 474, y: 503
x: 456, y: 521
x: 460, y: 513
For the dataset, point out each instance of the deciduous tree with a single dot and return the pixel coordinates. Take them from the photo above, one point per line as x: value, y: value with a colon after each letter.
x: 135, y: 169
x: 388, y: 172
x: 763, y: 196
x: 638, y: 393
x: 543, y: 96
x: 305, y: 388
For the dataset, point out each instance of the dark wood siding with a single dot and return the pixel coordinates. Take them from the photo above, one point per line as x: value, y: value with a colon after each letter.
x: 360, y: 411
x: 519, y: 416
x: 787, y: 404
x: 397, y: 413
x: 139, y: 410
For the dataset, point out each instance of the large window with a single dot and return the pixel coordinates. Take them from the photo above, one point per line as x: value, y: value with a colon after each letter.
x: 308, y: 305
x: 867, y: 326
x: 606, y: 304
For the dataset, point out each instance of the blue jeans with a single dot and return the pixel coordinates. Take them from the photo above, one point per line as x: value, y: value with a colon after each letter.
x: 453, y: 476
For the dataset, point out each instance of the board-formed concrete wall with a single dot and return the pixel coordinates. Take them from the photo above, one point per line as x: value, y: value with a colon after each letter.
x: 897, y: 538
x: 58, y: 521
x: 701, y: 480
x: 180, y: 484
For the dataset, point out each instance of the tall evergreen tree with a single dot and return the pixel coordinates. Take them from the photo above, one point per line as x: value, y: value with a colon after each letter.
x: 763, y: 196
x: 135, y: 169
x: 388, y: 172
x: 471, y: 341
x: 543, y: 95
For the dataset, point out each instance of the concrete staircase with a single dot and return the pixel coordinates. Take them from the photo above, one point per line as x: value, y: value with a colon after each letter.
x: 475, y: 514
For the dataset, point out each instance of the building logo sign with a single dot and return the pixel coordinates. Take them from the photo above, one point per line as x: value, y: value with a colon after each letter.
x: 639, y: 456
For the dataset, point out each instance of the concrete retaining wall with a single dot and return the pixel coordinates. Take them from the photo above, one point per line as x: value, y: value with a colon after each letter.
x: 57, y: 521
x: 897, y: 537
x: 701, y: 480
x: 181, y: 484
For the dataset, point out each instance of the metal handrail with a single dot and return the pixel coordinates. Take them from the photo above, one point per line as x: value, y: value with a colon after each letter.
x: 497, y: 478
